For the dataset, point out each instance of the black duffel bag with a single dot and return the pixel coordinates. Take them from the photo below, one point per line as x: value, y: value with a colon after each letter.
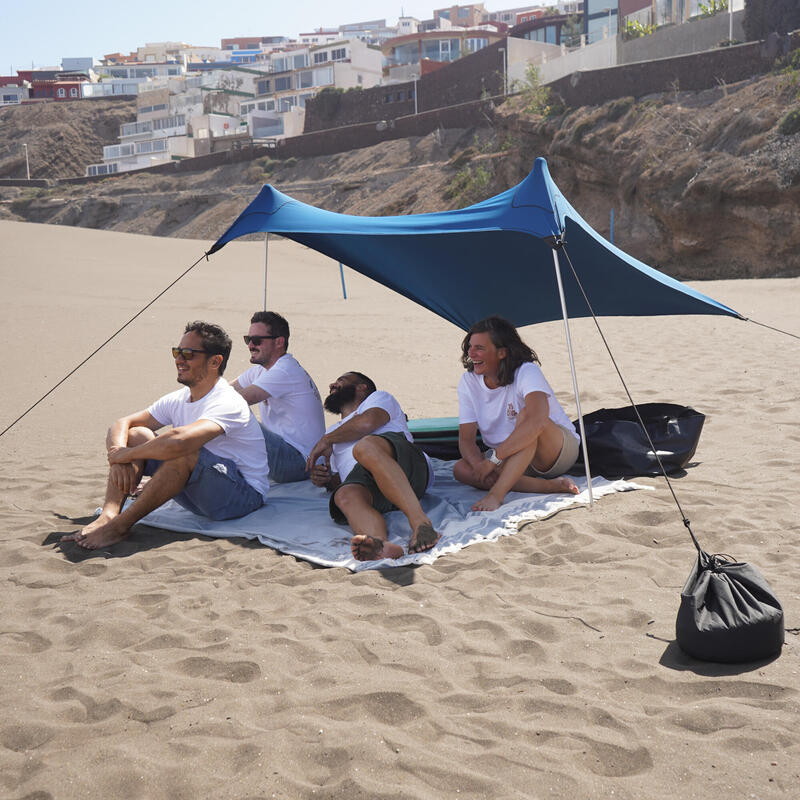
x: 618, y: 447
x: 728, y: 612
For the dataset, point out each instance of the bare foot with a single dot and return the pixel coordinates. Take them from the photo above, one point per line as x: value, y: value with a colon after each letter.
x: 370, y: 548
x: 563, y: 485
x: 487, y: 503
x: 424, y: 538
x: 103, y: 531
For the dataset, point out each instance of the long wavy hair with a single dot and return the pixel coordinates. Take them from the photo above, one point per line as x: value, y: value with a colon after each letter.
x: 502, y: 334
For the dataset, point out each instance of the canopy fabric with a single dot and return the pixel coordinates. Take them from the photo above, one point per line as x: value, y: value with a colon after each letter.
x: 495, y: 257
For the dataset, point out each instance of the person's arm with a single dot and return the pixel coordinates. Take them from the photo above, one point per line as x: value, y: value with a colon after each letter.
x: 537, y: 412
x: 471, y: 453
x: 252, y: 393
x: 174, y: 443
x: 357, y: 427
x: 124, y: 476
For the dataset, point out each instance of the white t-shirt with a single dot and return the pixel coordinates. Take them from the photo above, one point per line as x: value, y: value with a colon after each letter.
x: 294, y: 409
x: 495, y: 410
x: 241, y: 439
x: 342, y: 460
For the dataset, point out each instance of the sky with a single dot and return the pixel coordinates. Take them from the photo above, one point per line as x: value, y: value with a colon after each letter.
x: 48, y: 30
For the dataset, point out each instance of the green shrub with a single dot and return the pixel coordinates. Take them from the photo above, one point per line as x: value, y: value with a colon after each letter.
x: 535, y: 97
x: 790, y: 123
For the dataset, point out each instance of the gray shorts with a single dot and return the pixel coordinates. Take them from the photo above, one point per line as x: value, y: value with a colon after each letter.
x: 570, y: 448
x: 412, y: 462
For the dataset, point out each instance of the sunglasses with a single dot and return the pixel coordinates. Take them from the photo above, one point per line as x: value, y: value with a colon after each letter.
x: 186, y: 353
x: 256, y: 340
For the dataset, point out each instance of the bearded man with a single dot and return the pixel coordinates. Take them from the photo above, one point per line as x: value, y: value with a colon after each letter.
x: 371, y: 466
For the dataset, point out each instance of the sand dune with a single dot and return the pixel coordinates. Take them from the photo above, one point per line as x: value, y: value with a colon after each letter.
x: 539, y: 666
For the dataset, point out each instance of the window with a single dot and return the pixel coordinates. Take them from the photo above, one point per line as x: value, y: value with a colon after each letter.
x: 262, y: 87
x: 282, y: 84
x: 305, y: 79
x: 298, y: 62
x: 279, y: 64
x: 101, y: 169
x: 339, y: 54
x: 73, y: 92
x: 321, y: 57
x: 323, y: 76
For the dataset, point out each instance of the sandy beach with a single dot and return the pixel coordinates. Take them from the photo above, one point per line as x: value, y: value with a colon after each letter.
x: 540, y: 666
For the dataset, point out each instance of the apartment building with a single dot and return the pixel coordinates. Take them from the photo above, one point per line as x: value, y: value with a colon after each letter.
x: 292, y: 77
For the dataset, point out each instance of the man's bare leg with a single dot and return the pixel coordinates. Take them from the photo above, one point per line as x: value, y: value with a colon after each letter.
x: 168, y: 480
x: 370, y: 540
x: 119, y: 475
x: 377, y: 455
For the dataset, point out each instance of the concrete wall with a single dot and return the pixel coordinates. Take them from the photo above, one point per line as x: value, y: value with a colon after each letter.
x: 478, y: 75
x: 598, y: 55
x: 690, y: 72
x: 676, y: 40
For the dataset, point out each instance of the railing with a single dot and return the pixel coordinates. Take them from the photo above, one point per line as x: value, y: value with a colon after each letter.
x: 134, y: 128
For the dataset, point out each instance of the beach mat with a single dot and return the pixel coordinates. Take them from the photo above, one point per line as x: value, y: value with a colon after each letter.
x: 295, y: 520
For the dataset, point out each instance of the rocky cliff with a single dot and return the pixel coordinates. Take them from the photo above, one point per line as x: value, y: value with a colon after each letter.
x: 702, y: 184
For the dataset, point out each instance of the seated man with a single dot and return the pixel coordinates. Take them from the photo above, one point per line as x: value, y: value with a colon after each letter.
x: 212, y: 461
x: 291, y: 409
x: 372, y: 467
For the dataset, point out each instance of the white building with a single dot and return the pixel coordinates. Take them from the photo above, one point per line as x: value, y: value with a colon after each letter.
x: 278, y: 108
x: 13, y: 94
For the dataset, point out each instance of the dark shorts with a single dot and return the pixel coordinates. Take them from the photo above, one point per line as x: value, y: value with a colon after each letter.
x: 411, y: 461
x: 215, y: 489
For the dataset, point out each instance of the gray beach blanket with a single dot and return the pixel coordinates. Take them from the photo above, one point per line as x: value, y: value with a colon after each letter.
x: 295, y: 520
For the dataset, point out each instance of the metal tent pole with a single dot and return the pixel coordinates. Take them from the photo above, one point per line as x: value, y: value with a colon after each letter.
x: 266, y: 261
x: 574, y: 375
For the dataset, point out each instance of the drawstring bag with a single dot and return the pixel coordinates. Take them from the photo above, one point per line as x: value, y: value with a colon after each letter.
x: 728, y: 612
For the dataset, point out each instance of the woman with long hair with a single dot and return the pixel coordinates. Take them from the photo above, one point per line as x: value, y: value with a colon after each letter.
x: 504, y: 395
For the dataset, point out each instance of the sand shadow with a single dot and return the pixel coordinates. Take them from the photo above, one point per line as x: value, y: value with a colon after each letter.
x: 399, y: 576
x: 674, y: 658
x: 141, y: 539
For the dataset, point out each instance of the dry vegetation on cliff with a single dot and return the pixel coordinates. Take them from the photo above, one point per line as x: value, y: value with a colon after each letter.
x: 703, y: 184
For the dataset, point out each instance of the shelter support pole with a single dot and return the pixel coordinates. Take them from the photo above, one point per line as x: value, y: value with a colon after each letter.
x: 341, y: 275
x: 266, y: 262
x: 574, y: 375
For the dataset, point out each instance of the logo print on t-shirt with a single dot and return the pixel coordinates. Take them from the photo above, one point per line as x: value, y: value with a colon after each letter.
x: 510, y: 411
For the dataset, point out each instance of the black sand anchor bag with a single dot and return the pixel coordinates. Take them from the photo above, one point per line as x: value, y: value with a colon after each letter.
x: 728, y: 612
x: 618, y: 447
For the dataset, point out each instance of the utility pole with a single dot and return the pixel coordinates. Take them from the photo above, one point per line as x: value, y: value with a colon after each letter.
x: 27, y: 163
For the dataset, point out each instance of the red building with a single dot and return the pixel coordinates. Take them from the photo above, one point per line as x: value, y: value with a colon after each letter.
x: 64, y: 89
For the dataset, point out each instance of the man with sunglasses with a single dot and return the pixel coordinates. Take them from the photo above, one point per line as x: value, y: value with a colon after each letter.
x: 292, y: 420
x: 212, y: 461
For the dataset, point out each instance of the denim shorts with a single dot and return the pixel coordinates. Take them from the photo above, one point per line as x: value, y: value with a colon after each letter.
x: 286, y: 463
x: 215, y: 489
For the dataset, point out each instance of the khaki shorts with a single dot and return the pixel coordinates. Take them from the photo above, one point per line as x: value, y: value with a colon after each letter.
x: 566, y: 458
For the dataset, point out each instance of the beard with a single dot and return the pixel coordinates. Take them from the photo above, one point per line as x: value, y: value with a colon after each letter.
x: 339, y: 398
x: 190, y: 379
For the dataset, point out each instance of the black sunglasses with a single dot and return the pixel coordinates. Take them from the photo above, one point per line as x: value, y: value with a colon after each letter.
x: 256, y: 340
x: 186, y: 353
